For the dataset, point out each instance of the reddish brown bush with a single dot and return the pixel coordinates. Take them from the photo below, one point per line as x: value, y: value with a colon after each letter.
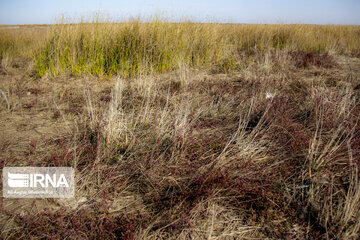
x: 306, y: 59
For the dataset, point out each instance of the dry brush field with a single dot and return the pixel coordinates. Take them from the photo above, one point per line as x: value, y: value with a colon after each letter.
x: 184, y: 130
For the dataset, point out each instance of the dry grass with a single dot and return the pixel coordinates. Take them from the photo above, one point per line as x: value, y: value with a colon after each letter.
x: 104, y: 48
x: 249, y: 132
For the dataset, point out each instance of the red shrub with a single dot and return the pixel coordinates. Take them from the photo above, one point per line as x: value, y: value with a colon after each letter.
x: 307, y: 59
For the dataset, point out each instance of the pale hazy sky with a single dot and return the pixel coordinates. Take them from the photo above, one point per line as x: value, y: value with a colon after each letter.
x: 240, y: 11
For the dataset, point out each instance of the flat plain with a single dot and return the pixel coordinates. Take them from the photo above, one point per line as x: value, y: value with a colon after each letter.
x: 184, y: 130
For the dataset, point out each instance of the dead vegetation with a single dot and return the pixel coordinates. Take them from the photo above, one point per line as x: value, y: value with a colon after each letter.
x: 269, y: 150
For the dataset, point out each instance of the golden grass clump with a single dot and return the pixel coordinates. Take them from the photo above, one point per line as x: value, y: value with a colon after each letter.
x: 135, y: 48
x: 132, y: 48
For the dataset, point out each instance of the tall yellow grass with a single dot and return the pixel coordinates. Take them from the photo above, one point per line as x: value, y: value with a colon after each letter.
x: 135, y: 47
